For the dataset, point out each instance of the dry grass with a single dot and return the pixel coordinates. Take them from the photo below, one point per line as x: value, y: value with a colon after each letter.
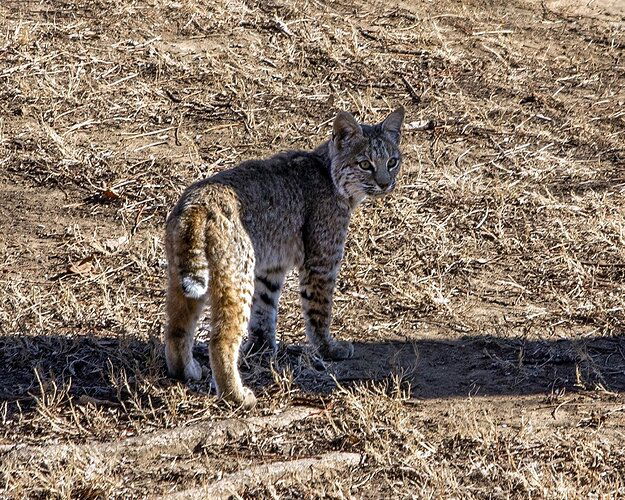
x: 485, y: 296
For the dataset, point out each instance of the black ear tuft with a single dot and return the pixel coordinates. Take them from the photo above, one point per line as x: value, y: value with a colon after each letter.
x: 393, y: 122
x: 345, y: 129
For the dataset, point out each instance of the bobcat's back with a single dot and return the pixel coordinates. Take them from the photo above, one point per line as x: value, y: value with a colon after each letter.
x: 273, y: 200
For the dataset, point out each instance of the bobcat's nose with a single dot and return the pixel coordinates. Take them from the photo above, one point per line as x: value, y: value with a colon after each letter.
x: 382, y: 178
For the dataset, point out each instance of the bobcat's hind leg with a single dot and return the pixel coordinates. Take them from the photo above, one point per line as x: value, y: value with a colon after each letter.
x: 230, y: 292
x: 183, y: 314
x: 261, y: 337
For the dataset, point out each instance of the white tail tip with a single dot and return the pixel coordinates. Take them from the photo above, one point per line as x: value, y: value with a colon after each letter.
x: 194, y: 287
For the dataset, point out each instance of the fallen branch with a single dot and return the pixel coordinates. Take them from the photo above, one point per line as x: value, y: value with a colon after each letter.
x: 269, y: 473
x: 176, y: 441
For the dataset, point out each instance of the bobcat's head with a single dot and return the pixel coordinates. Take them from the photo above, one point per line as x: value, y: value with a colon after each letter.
x: 365, y: 158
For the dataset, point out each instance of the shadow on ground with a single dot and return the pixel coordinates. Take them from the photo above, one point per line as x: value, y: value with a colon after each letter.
x: 488, y: 366
x: 471, y: 366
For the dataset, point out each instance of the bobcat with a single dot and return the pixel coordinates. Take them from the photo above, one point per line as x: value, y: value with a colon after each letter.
x: 246, y: 227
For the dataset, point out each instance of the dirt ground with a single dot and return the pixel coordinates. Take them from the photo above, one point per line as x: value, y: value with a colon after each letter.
x: 485, y: 297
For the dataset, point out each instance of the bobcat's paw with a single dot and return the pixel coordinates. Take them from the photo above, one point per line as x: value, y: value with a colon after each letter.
x: 244, y: 399
x: 249, y: 400
x: 338, y: 350
x: 193, y: 371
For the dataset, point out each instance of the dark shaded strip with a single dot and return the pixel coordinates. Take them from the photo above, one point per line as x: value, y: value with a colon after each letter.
x: 196, y: 274
x: 193, y: 266
x: 316, y: 324
x: 267, y: 300
x: 177, y: 333
x: 305, y: 295
x: 272, y: 287
x: 258, y: 333
x: 315, y: 312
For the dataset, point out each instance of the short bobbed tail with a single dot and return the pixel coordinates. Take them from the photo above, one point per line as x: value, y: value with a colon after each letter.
x: 189, y: 247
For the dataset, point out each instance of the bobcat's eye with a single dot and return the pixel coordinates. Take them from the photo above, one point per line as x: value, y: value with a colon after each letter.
x: 392, y: 163
x: 366, y: 165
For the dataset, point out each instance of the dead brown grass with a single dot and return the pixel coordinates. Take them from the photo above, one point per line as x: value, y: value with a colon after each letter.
x: 485, y: 297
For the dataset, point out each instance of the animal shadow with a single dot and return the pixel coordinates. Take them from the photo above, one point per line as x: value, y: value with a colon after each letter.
x: 471, y: 366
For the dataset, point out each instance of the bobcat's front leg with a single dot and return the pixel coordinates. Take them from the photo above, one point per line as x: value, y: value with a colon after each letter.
x: 317, y: 282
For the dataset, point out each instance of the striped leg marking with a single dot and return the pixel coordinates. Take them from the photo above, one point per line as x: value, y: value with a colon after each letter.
x: 262, y: 326
x: 316, y: 291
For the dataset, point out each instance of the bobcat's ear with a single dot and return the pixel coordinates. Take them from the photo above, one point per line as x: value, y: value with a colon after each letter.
x: 345, y: 130
x: 392, y: 124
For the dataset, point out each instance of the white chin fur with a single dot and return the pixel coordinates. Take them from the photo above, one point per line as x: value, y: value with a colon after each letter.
x: 356, y: 199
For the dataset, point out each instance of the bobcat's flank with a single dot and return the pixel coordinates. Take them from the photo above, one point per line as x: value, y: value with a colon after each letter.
x: 232, y: 238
